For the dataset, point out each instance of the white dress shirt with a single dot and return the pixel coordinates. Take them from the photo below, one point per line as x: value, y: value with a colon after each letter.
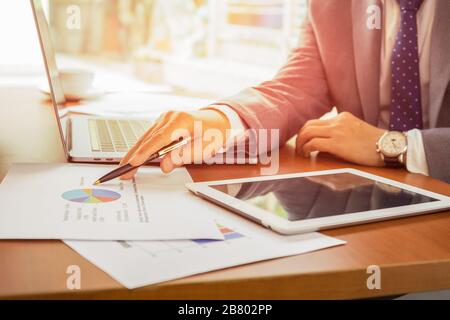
x: 416, y: 159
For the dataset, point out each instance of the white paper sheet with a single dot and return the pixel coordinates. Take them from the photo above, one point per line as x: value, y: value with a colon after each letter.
x: 139, y: 263
x: 53, y: 201
x: 138, y: 105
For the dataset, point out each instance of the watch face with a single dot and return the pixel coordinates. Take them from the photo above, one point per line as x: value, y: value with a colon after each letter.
x: 393, y: 144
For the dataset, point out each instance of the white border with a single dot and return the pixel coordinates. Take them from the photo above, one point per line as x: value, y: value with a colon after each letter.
x: 283, y: 226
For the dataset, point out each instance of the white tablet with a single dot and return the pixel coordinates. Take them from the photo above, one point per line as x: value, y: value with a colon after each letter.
x: 306, y: 202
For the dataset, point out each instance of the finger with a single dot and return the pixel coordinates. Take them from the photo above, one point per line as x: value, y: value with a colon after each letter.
x: 318, y: 122
x: 155, y: 126
x: 166, y: 164
x: 132, y: 151
x: 159, y: 139
x: 129, y: 175
x: 162, y: 120
x: 172, y: 161
x: 310, y: 133
x: 317, y: 144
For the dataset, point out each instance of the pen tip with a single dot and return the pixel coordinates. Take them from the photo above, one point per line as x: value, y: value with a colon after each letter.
x: 96, y: 183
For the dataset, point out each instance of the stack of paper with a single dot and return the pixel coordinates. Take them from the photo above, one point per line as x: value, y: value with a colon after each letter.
x: 58, y: 201
x: 138, y: 105
x: 139, y: 263
x: 188, y: 234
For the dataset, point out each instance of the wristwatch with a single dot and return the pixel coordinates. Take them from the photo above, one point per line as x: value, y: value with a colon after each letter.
x: 392, y: 147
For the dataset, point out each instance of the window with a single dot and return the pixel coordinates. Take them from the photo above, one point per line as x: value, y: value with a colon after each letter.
x: 252, y: 31
x: 255, y: 31
x: 215, y: 46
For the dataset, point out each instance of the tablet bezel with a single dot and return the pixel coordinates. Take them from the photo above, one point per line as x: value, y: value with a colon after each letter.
x: 283, y: 226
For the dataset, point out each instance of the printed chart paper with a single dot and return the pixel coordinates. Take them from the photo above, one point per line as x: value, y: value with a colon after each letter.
x: 139, y: 263
x: 58, y: 201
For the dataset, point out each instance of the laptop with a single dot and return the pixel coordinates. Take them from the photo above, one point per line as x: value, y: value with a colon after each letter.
x: 85, y: 138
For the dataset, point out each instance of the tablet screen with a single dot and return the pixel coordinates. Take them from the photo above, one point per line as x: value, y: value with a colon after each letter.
x: 311, y: 197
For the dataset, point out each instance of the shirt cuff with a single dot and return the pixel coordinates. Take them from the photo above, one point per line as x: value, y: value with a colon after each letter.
x: 416, y: 160
x: 238, y: 128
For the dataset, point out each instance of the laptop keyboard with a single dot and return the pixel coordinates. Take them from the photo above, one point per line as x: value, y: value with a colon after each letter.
x: 115, y: 135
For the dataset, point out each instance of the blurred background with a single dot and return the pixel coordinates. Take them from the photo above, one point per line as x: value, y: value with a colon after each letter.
x: 215, y: 47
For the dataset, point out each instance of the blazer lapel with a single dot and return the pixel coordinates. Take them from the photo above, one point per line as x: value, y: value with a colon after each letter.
x: 440, y: 59
x: 367, y: 51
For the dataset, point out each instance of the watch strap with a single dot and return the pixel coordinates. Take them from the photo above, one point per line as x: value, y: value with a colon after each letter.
x: 392, y: 162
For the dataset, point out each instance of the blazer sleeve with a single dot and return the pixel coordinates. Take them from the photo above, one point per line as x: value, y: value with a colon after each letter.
x: 299, y: 92
x: 437, y: 145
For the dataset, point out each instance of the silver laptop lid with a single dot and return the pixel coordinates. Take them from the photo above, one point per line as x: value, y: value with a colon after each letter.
x: 51, y: 68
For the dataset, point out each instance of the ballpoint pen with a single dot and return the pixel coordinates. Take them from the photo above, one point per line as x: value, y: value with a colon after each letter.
x: 128, y: 167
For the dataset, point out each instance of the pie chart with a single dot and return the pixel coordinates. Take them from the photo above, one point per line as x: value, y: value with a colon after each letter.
x: 90, y: 195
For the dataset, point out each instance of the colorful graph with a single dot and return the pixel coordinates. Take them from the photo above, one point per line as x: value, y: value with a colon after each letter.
x: 90, y: 195
x: 227, y: 233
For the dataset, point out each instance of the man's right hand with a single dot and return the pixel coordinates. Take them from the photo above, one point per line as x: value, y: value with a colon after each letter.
x: 175, y: 124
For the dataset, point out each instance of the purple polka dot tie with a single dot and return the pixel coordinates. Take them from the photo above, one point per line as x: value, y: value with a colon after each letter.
x: 406, y: 103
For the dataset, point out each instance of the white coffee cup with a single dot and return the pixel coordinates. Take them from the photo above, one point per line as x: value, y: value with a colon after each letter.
x: 76, y: 82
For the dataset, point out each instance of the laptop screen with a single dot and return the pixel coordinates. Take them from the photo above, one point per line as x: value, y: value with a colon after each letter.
x: 48, y: 53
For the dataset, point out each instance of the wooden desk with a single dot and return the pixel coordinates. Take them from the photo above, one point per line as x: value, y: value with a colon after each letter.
x: 413, y: 253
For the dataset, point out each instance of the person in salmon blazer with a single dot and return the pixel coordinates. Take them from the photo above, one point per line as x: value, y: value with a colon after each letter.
x: 390, y: 82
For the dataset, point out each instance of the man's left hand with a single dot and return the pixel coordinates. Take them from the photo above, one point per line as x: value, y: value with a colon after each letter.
x: 345, y: 136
